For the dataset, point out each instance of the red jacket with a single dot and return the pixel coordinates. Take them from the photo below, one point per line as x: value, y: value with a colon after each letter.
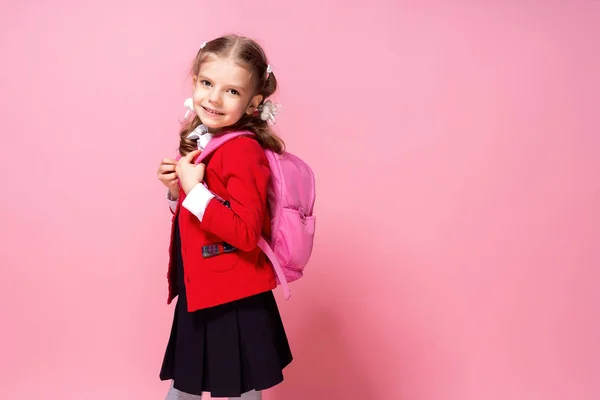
x: 239, y: 173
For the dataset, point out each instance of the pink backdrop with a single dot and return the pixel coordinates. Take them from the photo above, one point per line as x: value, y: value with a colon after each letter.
x: 457, y: 156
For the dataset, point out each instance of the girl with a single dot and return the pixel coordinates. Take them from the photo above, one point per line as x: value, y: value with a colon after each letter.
x: 227, y: 336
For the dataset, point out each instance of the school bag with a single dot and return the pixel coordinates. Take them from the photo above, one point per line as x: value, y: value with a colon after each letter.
x: 291, y: 200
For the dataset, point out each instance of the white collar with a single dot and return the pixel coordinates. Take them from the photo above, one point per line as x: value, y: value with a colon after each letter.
x: 202, y: 136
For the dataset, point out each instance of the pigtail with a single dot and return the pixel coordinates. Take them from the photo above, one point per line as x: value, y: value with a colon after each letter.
x: 186, y: 145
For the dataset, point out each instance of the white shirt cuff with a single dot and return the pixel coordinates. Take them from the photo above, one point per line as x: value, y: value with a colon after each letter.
x: 172, y: 203
x: 197, y: 200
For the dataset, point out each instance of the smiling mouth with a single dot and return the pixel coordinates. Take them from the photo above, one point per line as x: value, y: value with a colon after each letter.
x: 212, y: 112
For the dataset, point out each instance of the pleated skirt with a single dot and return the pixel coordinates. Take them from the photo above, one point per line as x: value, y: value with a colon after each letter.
x: 226, y: 350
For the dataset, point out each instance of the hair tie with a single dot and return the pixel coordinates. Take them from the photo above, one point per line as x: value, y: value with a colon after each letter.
x: 202, y: 45
x: 268, y: 110
x: 189, y: 104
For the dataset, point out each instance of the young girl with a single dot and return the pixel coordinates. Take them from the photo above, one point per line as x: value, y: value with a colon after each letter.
x: 227, y: 336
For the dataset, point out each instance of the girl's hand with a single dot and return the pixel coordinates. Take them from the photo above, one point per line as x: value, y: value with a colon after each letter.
x: 189, y: 173
x: 167, y: 175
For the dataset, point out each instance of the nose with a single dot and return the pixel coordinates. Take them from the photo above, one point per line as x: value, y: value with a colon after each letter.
x: 214, y: 96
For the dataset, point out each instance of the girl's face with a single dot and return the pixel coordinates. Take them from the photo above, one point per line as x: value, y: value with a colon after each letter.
x: 223, y: 92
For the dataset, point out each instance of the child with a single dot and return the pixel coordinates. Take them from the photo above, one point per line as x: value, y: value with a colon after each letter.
x: 227, y: 336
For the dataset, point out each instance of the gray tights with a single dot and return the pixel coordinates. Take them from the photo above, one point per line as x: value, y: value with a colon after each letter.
x: 175, y: 394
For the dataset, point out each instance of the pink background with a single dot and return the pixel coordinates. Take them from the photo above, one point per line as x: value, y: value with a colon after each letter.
x: 457, y: 156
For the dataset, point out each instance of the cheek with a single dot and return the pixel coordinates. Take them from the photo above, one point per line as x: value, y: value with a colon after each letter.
x: 196, y: 96
x: 198, y: 93
x: 236, y: 105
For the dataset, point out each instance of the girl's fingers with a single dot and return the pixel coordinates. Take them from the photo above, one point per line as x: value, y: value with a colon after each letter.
x: 166, y: 168
x: 168, y: 177
x: 190, y: 156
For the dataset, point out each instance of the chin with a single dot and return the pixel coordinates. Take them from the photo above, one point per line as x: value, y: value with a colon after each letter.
x: 212, y: 126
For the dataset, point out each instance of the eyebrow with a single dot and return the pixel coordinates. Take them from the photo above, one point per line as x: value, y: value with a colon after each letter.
x: 236, y: 87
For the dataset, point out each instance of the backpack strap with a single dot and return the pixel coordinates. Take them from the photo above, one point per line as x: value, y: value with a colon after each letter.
x: 218, y: 141
x: 264, y: 246
x: 214, y: 144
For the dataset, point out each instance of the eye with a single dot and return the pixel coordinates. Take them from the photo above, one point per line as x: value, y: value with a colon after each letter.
x: 234, y: 92
x: 205, y: 83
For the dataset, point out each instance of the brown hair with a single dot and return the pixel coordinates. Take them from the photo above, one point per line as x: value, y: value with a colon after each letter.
x: 248, y: 53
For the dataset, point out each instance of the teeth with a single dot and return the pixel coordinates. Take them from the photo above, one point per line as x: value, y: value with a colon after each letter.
x: 213, y: 112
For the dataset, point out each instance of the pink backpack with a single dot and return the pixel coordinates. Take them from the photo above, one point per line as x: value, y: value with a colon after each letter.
x: 291, y: 199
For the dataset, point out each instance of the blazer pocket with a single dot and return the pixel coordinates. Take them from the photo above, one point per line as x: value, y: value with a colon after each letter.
x: 222, y: 262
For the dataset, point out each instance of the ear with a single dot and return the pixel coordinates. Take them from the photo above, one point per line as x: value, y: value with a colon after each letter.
x: 194, y: 81
x: 254, y: 104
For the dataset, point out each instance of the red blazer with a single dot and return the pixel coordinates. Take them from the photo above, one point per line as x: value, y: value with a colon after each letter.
x: 239, y: 173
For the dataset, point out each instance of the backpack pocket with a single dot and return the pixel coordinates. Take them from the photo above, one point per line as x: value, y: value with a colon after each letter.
x: 293, y: 243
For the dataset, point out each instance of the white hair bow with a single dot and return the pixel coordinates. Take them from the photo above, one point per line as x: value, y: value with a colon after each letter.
x: 268, y: 111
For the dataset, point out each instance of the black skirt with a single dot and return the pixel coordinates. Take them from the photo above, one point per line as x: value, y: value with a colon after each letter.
x: 225, y: 350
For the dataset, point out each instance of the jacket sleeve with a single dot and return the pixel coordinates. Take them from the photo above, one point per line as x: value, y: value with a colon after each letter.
x: 246, y: 175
